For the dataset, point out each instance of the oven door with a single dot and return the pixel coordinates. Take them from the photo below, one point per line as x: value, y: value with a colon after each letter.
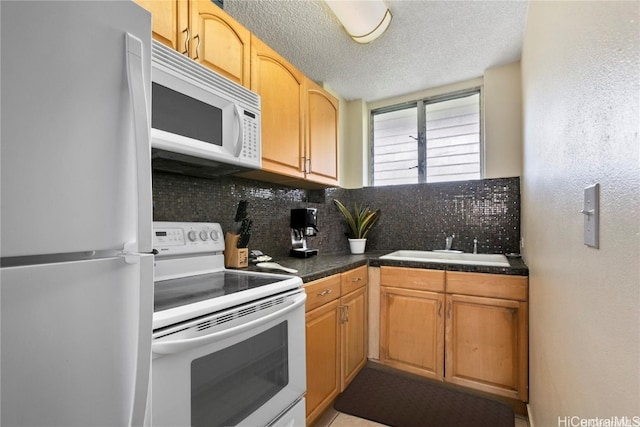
x: 244, y: 366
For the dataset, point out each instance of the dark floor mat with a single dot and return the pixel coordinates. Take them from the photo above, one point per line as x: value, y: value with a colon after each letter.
x: 403, y: 401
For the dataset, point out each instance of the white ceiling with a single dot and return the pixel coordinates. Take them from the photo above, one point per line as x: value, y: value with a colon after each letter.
x: 428, y: 44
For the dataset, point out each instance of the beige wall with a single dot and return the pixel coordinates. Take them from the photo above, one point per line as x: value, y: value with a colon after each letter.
x: 354, y: 149
x: 580, y: 79
x: 501, y: 93
x: 503, y: 121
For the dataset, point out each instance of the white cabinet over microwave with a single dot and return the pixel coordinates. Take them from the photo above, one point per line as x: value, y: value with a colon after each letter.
x: 202, y: 123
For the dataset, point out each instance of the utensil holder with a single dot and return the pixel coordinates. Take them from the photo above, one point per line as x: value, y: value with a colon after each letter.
x: 234, y: 257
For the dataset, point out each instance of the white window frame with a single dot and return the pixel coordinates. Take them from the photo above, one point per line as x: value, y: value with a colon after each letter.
x: 420, y: 105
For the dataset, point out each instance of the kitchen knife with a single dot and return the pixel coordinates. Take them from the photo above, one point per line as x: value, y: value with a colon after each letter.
x: 241, y: 215
x: 245, y: 234
x: 241, y: 212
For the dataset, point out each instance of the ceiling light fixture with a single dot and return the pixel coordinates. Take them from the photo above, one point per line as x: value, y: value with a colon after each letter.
x: 364, y: 20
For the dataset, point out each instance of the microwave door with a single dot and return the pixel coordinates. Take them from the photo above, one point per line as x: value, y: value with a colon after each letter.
x: 181, y: 115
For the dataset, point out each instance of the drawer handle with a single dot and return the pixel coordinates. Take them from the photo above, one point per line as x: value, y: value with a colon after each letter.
x: 356, y: 279
x: 325, y: 292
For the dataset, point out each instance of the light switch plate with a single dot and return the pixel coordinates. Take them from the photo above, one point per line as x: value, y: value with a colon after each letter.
x: 591, y: 212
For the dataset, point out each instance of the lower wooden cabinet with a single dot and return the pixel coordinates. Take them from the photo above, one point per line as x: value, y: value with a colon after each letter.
x: 412, y: 331
x: 486, y: 345
x: 353, y: 333
x: 469, y: 329
x: 323, y: 357
x: 336, y: 333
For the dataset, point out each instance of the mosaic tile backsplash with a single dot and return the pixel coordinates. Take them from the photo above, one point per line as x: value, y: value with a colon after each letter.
x: 412, y: 216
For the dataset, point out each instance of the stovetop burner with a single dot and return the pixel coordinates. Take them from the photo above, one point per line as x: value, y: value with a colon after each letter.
x: 188, y: 290
x: 190, y: 278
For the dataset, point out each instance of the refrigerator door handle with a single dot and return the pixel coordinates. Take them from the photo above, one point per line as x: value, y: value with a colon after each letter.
x: 145, y: 331
x: 137, y: 84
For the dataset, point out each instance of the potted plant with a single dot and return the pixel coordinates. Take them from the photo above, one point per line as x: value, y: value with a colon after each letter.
x: 359, y: 224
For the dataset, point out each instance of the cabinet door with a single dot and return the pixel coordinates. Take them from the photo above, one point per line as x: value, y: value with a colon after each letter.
x: 169, y: 21
x: 412, y: 331
x: 280, y: 86
x: 323, y: 361
x: 354, y: 332
x: 219, y: 42
x: 486, y: 340
x: 321, y: 135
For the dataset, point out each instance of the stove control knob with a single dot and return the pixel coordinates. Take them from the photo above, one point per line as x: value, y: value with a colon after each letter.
x: 192, y: 235
x: 203, y: 235
x: 215, y: 235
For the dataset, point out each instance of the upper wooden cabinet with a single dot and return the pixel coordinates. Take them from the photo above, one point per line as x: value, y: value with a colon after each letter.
x: 170, y: 18
x: 219, y: 42
x: 321, y: 148
x: 299, y: 123
x: 299, y: 117
x: 281, y: 89
x: 204, y: 32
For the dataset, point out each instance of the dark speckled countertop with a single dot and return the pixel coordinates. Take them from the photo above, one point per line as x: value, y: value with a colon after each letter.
x: 324, y: 265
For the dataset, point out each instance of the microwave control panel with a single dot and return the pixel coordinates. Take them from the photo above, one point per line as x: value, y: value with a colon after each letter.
x: 251, y: 130
x: 178, y: 238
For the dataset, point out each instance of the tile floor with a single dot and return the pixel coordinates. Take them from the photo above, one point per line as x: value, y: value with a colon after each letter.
x: 332, y: 418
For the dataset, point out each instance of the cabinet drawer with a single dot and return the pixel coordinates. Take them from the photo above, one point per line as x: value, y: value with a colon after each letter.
x: 322, y: 291
x: 413, y: 278
x: 488, y: 285
x: 353, y: 279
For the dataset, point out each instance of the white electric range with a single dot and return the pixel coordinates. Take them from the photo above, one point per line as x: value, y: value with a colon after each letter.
x: 228, y: 345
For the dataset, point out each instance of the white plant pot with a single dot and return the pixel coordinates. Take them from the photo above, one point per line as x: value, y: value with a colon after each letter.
x: 357, y: 245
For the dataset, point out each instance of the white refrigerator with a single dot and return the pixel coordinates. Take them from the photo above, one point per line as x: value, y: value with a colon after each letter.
x: 76, y: 272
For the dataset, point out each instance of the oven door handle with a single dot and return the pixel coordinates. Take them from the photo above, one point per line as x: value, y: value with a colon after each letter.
x: 177, y: 346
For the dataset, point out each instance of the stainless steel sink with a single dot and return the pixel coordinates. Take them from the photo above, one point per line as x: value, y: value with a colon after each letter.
x: 492, y: 260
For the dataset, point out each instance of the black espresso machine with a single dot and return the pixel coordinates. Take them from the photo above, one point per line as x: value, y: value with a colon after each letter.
x: 304, y: 223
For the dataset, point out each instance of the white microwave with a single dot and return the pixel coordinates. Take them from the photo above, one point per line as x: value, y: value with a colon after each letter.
x: 202, y: 123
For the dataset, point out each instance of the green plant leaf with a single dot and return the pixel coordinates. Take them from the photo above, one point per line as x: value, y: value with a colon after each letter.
x: 360, y: 221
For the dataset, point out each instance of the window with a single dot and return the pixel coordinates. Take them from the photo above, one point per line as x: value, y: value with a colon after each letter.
x: 432, y: 140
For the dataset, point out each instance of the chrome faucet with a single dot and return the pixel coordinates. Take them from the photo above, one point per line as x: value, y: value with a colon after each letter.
x: 448, y: 242
x: 475, y: 245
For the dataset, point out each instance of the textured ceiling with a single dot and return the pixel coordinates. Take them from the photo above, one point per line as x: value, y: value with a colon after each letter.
x: 428, y: 44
